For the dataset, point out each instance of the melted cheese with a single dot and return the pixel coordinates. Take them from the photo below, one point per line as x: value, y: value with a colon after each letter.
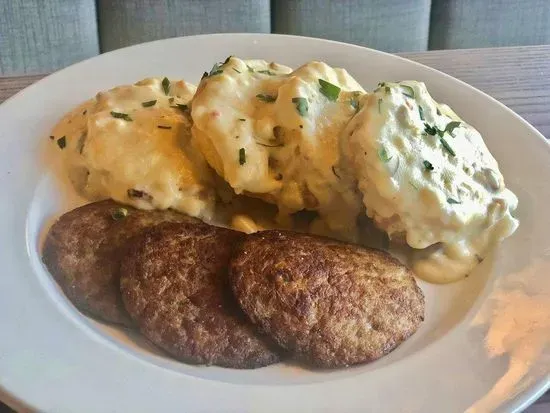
x: 428, y: 185
x: 147, y: 160
x: 249, y: 126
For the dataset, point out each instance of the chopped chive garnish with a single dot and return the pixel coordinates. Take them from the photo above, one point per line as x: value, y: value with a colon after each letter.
x: 166, y: 85
x: 250, y: 69
x: 428, y: 165
x: 266, y: 72
x: 421, y: 112
x: 408, y: 91
x: 447, y: 146
x: 451, y: 126
x: 334, y: 172
x: 330, y: 91
x: 383, y: 155
x: 242, y: 119
x: 413, y: 185
x: 149, y: 103
x: 387, y: 89
x: 266, y: 98
x: 119, y: 213
x: 453, y: 201
x: 431, y: 130
x: 379, y: 104
x: 301, y: 105
x: 216, y: 70
x: 242, y: 156
x: 119, y: 115
x: 164, y: 127
x: 381, y: 84
x: 205, y: 74
x: 62, y: 142
x: 437, y: 111
x: 227, y: 60
x: 236, y: 70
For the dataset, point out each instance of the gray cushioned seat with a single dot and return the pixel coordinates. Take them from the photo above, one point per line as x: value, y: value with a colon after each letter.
x: 38, y: 36
x: 123, y: 23
x: 389, y: 25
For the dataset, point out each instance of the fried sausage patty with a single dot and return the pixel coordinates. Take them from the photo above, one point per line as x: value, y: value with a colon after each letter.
x: 174, y: 284
x: 330, y: 303
x: 83, y: 250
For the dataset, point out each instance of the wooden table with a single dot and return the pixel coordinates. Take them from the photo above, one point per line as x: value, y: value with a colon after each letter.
x: 519, y: 77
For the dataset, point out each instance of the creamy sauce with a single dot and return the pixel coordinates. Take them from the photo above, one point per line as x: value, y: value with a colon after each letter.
x: 428, y: 179
x: 291, y: 152
x: 133, y: 144
x: 272, y: 133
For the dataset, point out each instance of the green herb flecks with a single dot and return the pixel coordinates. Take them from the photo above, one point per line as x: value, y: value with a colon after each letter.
x: 387, y: 90
x: 421, y: 112
x: 431, y: 130
x: 236, y: 70
x: 266, y: 72
x: 62, y: 142
x: 266, y: 98
x: 413, y: 185
x: 379, y: 105
x: 407, y: 91
x: 383, y: 155
x: 164, y: 127
x: 216, y: 70
x: 381, y: 84
x: 437, y: 111
x: 428, y: 165
x: 251, y: 70
x: 330, y: 91
x: 119, y: 213
x: 453, y: 201
x: 166, y: 85
x: 242, y: 119
x: 301, y: 105
x: 228, y: 58
x: 447, y: 146
x: 451, y: 126
x: 120, y: 115
x: 242, y: 156
x: 149, y: 103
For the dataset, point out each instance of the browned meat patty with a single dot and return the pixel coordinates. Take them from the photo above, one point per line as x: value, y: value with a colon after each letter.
x: 174, y: 284
x: 330, y: 303
x: 83, y: 250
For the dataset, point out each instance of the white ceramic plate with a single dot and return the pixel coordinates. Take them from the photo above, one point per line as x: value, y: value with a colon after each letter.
x: 484, y: 345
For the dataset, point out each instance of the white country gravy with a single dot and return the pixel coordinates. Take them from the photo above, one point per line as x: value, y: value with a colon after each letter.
x: 133, y: 144
x: 273, y: 133
x: 427, y: 178
x: 283, y: 142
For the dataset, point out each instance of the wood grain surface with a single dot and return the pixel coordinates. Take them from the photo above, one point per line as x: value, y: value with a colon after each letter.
x: 519, y: 77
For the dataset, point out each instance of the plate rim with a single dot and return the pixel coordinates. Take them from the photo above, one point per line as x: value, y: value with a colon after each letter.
x: 523, y: 399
